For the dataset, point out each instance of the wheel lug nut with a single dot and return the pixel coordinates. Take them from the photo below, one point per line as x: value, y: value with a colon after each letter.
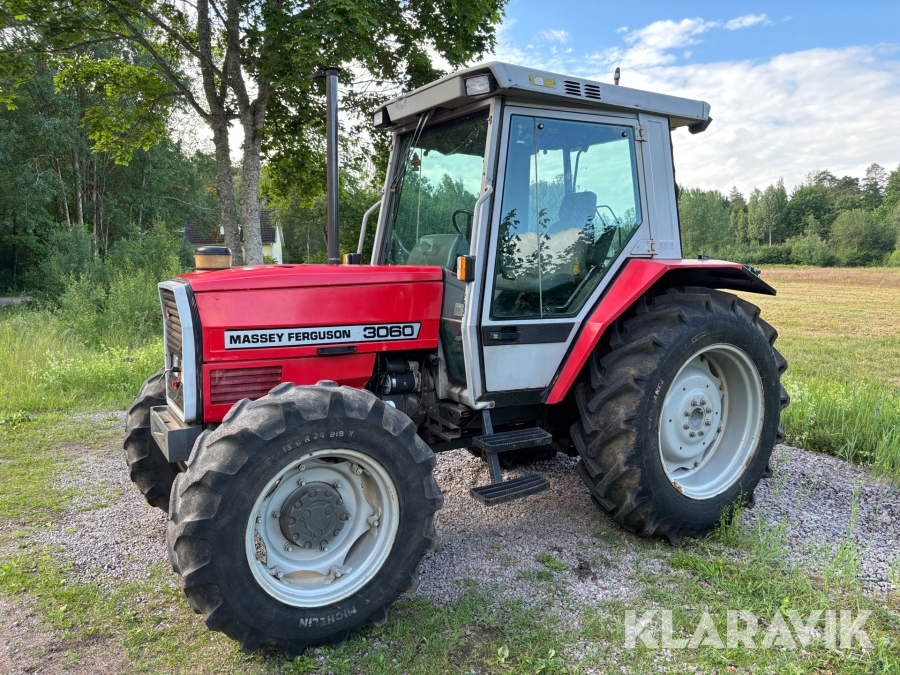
x: 300, y: 482
x: 693, y: 433
x: 708, y: 409
x: 701, y: 432
x: 687, y: 426
x: 336, y: 484
x: 340, y: 502
x: 258, y: 519
x: 687, y: 413
x: 288, y: 548
x: 345, y: 516
x: 276, y: 513
x: 359, y: 471
x: 693, y: 401
x: 301, y: 467
x: 719, y: 430
x: 279, y: 574
x: 295, y: 536
x: 324, y: 545
x: 708, y: 422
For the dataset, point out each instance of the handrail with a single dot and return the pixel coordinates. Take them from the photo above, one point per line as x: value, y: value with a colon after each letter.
x: 476, y: 213
x: 362, y: 232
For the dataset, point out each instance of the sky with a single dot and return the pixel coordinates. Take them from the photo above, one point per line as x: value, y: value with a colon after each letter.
x: 793, y: 86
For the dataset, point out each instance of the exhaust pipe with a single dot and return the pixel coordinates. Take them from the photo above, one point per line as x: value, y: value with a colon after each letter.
x: 331, y: 155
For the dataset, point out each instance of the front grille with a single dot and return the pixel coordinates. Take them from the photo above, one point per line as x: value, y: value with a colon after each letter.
x: 230, y: 386
x: 174, y: 360
x: 172, y: 321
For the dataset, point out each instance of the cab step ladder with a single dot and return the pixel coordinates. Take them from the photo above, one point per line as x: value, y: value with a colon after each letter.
x: 498, y: 490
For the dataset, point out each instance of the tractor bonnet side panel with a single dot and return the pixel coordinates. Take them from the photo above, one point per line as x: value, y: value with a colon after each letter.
x: 256, y: 338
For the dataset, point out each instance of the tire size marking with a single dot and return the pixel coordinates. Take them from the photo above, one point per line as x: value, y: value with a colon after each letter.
x: 317, y: 436
x: 326, y: 619
x: 266, y: 338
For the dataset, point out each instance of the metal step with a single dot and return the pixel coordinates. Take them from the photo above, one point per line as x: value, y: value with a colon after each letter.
x: 517, y: 439
x: 498, y: 493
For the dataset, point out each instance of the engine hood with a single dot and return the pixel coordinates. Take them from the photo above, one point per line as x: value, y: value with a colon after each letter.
x: 259, y: 277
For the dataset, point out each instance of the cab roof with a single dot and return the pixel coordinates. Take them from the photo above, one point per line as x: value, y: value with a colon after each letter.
x: 541, y: 86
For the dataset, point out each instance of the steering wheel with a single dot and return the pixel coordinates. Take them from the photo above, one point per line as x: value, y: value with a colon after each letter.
x: 471, y: 215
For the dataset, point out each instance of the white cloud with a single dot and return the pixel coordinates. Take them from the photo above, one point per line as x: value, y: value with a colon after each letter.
x: 652, y: 45
x: 815, y: 109
x: 780, y: 117
x: 556, y: 36
x: 746, y: 21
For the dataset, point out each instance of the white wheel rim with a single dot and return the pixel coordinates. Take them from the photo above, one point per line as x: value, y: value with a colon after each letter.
x: 304, y: 575
x: 711, y: 421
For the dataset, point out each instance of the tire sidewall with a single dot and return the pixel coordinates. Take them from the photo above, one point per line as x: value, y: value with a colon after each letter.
x: 701, y: 514
x: 249, y: 602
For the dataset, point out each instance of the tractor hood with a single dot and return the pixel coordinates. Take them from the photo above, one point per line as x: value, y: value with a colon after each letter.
x: 260, y: 277
x: 300, y: 311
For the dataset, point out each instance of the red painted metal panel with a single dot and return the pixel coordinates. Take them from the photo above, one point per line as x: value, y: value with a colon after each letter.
x: 635, y: 280
x: 352, y: 370
x: 310, y: 307
x: 304, y: 276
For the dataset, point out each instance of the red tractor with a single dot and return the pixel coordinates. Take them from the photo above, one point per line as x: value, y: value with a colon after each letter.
x: 526, y: 295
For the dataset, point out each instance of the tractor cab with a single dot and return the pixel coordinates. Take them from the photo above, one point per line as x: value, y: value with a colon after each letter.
x: 544, y: 186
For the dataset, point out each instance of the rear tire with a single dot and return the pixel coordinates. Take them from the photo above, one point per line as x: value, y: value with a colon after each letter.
x: 654, y: 458
x: 149, y: 469
x: 303, y: 517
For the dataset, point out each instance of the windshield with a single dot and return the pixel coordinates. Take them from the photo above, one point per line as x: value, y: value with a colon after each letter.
x: 435, y: 186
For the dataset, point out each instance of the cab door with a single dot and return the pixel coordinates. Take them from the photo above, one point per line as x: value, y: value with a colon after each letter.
x: 569, y: 203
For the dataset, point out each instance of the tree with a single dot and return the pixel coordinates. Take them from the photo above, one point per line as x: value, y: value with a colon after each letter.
x: 737, y: 220
x: 704, y: 217
x: 767, y: 212
x: 809, y: 200
x: 252, y: 57
x: 859, y: 238
x: 873, y: 186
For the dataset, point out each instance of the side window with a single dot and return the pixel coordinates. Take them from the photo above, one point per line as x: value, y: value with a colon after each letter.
x: 570, y: 204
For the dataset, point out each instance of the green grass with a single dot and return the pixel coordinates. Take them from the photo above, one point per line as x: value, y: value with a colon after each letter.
x: 747, y: 568
x: 42, y: 368
x: 839, y: 330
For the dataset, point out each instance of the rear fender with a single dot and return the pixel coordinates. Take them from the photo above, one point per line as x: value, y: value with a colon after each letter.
x: 638, y: 277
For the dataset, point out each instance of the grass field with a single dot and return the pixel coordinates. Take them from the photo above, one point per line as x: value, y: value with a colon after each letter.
x: 839, y: 329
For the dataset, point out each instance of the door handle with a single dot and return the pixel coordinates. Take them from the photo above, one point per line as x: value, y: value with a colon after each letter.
x: 504, y: 336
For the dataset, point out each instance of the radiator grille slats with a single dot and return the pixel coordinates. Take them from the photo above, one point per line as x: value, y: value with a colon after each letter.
x: 572, y: 88
x: 173, y: 322
x: 230, y: 386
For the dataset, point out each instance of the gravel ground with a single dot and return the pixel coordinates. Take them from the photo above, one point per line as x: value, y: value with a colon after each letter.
x: 811, y: 496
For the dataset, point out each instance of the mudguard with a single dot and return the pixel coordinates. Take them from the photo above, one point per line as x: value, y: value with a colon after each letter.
x: 636, y: 278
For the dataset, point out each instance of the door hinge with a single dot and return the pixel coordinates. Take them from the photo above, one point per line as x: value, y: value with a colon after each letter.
x: 644, y: 247
x: 641, y: 135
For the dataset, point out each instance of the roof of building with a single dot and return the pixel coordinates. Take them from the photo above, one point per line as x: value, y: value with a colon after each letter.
x: 543, y: 86
x: 207, y: 233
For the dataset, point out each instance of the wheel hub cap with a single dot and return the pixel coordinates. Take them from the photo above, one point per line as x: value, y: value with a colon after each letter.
x: 711, y: 420
x: 313, y: 515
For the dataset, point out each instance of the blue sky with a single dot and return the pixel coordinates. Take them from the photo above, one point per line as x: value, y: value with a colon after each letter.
x: 794, y: 86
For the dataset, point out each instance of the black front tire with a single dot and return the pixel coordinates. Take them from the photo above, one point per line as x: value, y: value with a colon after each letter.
x: 148, y: 468
x: 229, y: 469
x: 620, y: 405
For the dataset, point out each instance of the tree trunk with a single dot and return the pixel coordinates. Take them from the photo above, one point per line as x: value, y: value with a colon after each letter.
x: 252, y: 122
x: 79, y: 198
x: 225, y: 188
